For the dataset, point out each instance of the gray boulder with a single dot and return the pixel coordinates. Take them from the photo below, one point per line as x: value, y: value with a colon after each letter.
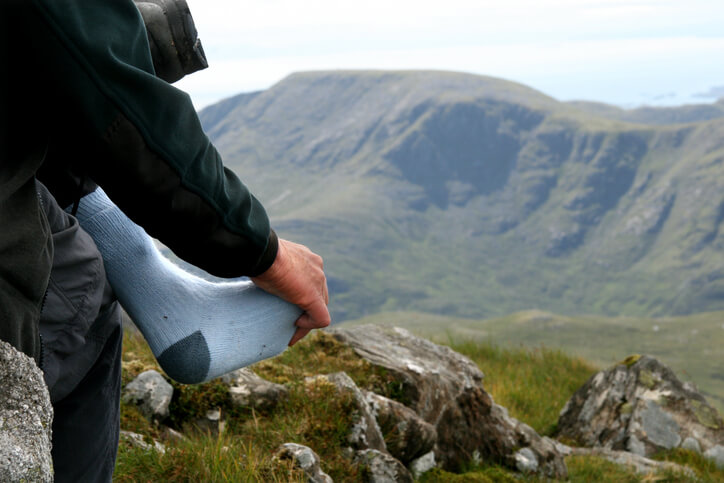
x: 423, y: 464
x: 365, y: 433
x: 138, y: 441
x: 305, y: 459
x: 151, y: 393
x: 407, y: 436
x: 249, y: 390
x: 716, y: 454
x: 381, y: 467
x: 26, y: 419
x: 640, y: 406
x: 445, y: 389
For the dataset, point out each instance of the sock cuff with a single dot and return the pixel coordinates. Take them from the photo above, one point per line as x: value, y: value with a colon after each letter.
x: 114, y: 233
x: 92, y: 204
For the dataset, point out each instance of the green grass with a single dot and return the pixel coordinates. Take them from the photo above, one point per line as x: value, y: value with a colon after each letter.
x: 533, y: 384
x: 204, y: 458
x: 705, y: 469
x: 312, y: 414
x: 585, y: 469
x: 491, y: 474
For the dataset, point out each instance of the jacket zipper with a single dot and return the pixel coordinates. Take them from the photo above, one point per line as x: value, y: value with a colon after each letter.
x: 41, y: 358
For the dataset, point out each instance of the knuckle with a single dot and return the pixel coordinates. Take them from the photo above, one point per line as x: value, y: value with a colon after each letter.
x: 308, y: 301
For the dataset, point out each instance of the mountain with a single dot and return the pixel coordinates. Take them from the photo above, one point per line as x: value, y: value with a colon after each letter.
x: 477, y: 197
x: 654, y: 115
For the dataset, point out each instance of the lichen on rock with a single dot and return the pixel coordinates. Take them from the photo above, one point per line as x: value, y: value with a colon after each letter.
x: 640, y: 406
x: 151, y: 393
x: 445, y: 389
x: 26, y: 418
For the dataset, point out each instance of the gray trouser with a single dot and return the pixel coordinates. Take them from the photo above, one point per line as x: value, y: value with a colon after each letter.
x: 80, y: 326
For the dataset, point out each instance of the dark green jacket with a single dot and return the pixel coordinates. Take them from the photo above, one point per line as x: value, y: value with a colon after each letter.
x: 79, y: 89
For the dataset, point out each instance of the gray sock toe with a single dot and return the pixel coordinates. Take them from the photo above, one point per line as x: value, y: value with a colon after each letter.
x: 188, y: 360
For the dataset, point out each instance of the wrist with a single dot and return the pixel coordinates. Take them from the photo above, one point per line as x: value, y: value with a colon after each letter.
x: 269, y: 257
x: 277, y: 265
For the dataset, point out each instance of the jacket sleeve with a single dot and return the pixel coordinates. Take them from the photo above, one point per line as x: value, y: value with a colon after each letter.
x: 149, y: 152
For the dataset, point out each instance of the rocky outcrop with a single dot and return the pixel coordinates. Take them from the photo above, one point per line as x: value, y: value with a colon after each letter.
x: 380, y: 467
x: 305, y: 459
x: 641, y: 407
x: 381, y: 457
x: 26, y: 419
x: 407, y: 436
x: 249, y: 390
x: 365, y: 432
x: 151, y: 393
x: 423, y: 464
x: 445, y: 389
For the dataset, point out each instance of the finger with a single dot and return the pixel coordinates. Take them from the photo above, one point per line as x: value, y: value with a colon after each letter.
x: 316, y: 316
x: 326, y: 293
x: 299, y: 335
x: 306, y: 322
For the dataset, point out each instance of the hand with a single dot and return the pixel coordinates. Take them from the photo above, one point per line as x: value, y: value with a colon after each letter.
x: 297, y: 276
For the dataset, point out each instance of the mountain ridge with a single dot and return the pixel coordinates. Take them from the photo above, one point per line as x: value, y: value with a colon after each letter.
x: 472, y: 196
x: 654, y: 115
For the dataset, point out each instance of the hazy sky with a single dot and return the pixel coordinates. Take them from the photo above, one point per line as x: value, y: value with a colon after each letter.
x: 625, y: 52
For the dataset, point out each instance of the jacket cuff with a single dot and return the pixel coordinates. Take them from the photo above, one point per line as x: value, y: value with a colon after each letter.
x: 267, y: 258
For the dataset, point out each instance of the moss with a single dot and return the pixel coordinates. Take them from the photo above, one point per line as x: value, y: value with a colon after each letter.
x: 194, y: 401
x: 626, y: 408
x: 321, y: 353
x: 132, y: 420
x: 648, y: 379
x: 630, y: 360
x: 705, y: 414
x: 329, y: 414
x: 317, y: 415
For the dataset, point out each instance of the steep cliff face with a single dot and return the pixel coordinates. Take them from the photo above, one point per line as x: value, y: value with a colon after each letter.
x: 475, y: 196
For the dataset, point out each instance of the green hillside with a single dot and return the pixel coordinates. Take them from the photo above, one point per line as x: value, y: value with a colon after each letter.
x: 693, y: 346
x: 476, y: 197
x: 655, y: 115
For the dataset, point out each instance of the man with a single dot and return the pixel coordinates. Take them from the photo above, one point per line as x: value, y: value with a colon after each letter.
x: 79, y: 94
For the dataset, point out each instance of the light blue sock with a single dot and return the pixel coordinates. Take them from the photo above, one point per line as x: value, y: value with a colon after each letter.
x: 198, y: 330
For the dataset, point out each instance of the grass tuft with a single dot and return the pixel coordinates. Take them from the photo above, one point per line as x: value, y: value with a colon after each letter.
x: 584, y: 469
x: 534, y: 384
x: 704, y: 468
